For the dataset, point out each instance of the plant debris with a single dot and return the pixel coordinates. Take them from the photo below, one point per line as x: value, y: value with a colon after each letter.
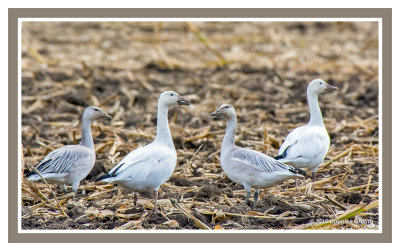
x: 262, y: 68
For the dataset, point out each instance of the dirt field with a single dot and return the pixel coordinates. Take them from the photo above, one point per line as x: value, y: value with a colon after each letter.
x: 261, y: 68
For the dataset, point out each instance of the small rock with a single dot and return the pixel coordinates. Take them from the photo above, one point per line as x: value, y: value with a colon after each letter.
x: 304, y: 207
x: 171, y: 224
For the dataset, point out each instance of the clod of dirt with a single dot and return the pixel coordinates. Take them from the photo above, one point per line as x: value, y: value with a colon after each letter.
x: 134, y: 210
x: 97, y: 170
x: 351, y: 197
x: 58, y: 76
x: 275, y: 206
x: 366, y: 199
x: 210, y: 192
x: 76, y: 211
x: 228, y: 192
x: 182, y: 220
x: 77, y: 97
x: 40, y: 222
x: 155, y: 218
x: 359, y: 168
x: 238, y: 209
x: 178, y: 181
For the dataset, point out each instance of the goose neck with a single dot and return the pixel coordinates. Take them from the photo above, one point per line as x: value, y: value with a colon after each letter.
x: 163, y: 134
x: 315, y: 111
x: 229, y: 138
x: 87, y: 139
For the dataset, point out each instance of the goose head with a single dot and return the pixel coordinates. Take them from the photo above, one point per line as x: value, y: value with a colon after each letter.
x: 224, y: 111
x: 170, y: 98
x: 94, y: 113
x: 318, y: 86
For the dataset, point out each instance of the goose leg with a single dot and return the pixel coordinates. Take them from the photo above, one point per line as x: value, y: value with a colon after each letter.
x: 256, y: 191
x: 64, y: 188
x: 75, y: 189
x: 296, y: 185
x: 155, y: 209
x: 135, y: 198
x: 248, y: 193
x: 247, y: 197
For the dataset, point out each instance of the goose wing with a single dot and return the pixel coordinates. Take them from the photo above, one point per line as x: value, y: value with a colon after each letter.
x: 65, y: 159
x: 262, y: 162
x: 308, y: 144
x: 290, y: 140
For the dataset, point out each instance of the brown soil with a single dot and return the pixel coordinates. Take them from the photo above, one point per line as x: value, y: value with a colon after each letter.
x: 260, y: 68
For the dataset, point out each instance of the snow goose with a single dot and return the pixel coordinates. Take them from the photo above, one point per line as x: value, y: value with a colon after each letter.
x: 150, y: 166
x: 248, y: 167
x: 70, y: 164
x: 307, y: 145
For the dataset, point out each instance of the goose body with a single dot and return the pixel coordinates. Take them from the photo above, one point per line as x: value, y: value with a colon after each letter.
x: 144, y: 168
x: 250, y: 168
x: 253, y: 169
x: 70, y: 164
x: 148, y: 167
x: 307, y: 145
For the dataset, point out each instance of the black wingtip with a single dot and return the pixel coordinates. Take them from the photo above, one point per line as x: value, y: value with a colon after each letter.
x: 283, y: 155
x: 104, y: 177
x: 30, y: 173
x: 297, y: 171
x: 300, y: 171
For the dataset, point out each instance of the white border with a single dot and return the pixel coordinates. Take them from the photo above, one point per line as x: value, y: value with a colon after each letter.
x: 380, y: 125
x: 379, y: 20
x: 221, y: 19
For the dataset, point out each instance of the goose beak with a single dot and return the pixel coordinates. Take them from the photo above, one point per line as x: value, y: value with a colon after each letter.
x: 106, y: 116
x: 331, y: 87
x: 216, y: 114
x: 183, y: 101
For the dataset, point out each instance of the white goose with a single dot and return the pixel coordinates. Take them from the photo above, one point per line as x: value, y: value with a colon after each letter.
x: 152, y: 165
x: 70, y: 164
x: 306, y: 146
x: 248, y: 167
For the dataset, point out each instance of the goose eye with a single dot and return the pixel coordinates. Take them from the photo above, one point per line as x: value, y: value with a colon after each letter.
x: 172, y: 94
x: 96, y: 110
